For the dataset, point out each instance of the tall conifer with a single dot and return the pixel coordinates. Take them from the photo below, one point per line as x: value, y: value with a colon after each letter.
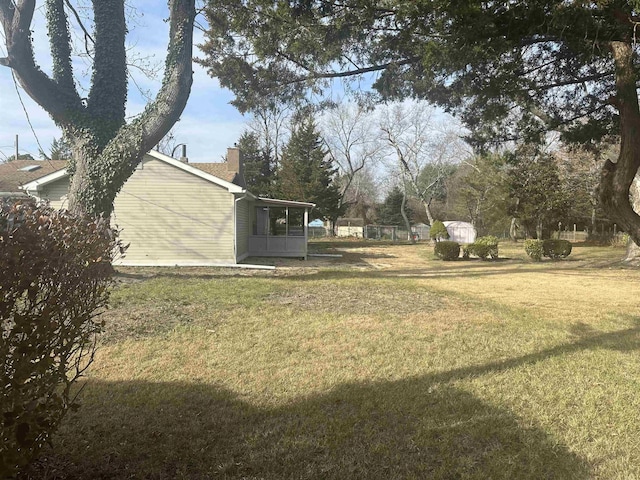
x: 307, y: 173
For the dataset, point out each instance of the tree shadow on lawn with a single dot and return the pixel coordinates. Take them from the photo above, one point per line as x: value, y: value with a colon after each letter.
x: 414, y: 428
x: 409, y: 429
x: 462, y: 270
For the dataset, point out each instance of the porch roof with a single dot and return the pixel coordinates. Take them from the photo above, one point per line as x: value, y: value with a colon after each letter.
x: 285, y: 203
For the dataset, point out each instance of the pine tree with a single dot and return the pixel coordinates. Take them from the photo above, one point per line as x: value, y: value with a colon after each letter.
x: 258, y: 165
x: 61, y: 149
x: 390, y: 211
x: 307, y: 173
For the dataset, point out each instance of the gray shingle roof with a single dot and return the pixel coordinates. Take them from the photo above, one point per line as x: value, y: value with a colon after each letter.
x: 16, y: 173
x: 219, y: 170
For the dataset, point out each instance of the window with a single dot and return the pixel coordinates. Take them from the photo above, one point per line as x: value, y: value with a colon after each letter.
x: 279, y: 221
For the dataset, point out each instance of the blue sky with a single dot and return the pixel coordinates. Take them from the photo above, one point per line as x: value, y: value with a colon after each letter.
x: 208, y: 125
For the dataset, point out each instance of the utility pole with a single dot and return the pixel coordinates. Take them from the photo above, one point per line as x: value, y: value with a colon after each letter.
x: 16, y: 147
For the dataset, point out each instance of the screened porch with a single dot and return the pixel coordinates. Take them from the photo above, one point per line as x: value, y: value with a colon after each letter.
x: 280, y: 228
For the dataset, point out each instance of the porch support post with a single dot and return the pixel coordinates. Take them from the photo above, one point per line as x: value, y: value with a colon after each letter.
x: 306, y: 230
x: 286, y: 229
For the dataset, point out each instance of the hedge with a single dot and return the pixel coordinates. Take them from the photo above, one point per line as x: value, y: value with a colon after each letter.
x: 446, y: 250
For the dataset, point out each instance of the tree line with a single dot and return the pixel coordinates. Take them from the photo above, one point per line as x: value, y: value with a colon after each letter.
x: 405, y: 163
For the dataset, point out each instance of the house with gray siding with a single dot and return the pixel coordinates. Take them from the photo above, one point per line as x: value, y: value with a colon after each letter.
x: 176, y: 213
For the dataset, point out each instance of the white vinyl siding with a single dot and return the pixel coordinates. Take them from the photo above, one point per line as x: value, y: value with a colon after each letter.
x: 171, y: 217
x: 243, y: 227
x: 56, y: 193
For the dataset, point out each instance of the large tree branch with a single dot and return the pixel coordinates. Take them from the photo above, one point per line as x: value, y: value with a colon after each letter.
x: 349, y: 73
x: 6, y: 12
x: 153, y: 124
x: 574, y: 81
x: 166, y: 109
x: 60, y: 41
x: 16, y: 20
x: 108, y: 94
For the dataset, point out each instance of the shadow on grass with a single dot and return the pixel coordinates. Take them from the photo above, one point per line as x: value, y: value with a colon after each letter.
x: 407, y: 429
x: 462, y: 269
x: 414, y: 428
x: 415, y: 273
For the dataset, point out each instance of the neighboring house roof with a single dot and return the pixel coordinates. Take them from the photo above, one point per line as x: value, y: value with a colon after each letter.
x: 39, y: 181
x: 220, y: 170
x: 16, y: 173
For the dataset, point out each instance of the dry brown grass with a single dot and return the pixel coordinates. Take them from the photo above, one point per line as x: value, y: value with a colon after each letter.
x: 382, y: 364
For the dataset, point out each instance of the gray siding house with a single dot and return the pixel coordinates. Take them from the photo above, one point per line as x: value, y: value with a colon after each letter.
x: 174, y: 213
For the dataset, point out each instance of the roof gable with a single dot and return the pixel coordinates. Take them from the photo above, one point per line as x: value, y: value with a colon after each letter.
x: 16, y: 173
x: 39, y: 181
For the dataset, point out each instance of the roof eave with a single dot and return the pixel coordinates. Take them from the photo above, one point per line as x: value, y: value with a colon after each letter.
x: 291, y: 203
x: 35, y: 185
x: 232, y: 187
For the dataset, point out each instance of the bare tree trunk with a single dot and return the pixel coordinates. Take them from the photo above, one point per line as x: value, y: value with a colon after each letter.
x: 513, y: 229
x: 427, y: 209
x: 404, y: 216
x: 539, y: 230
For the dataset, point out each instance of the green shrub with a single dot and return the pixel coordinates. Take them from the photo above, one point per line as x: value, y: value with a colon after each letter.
x: 477, y: 249
x: 446, y: 250
x: 556, y: 248
x: 438, y: 231
x: 483, y: 247
x: 533, y: 249
x: 56, y: 275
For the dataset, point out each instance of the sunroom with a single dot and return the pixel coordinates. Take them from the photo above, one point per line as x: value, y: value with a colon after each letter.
x: 280, y: 228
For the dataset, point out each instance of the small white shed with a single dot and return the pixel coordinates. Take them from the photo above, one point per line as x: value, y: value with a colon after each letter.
x: 461, y: 232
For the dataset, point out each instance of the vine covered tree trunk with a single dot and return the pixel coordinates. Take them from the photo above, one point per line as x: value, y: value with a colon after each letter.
x: 105, y: 149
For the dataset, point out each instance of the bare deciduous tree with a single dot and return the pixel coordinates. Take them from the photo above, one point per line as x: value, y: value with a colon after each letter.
x: 418, y: 142
x: 352, y: 139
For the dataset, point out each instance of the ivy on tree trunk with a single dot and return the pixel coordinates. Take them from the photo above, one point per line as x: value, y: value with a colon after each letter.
x: 105, y: 149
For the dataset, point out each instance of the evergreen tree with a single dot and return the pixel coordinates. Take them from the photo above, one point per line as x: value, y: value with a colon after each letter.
x: 479, y: 193
x: 21, y: 156
x: 509, y: 70
x: 390, y: 211
x: 60, y: 150
x: 539, y: 199
x: 258, y: 165
x: 306, y: 172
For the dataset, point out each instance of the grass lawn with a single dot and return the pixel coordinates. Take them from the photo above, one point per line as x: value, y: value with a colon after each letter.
x: 384, y: 364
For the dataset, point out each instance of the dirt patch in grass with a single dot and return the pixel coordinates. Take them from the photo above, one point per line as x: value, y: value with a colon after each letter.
x: 135, y: 322
x: 368, y: 298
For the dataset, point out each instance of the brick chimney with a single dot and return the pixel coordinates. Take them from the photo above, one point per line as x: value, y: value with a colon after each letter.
x: 235, y: 164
